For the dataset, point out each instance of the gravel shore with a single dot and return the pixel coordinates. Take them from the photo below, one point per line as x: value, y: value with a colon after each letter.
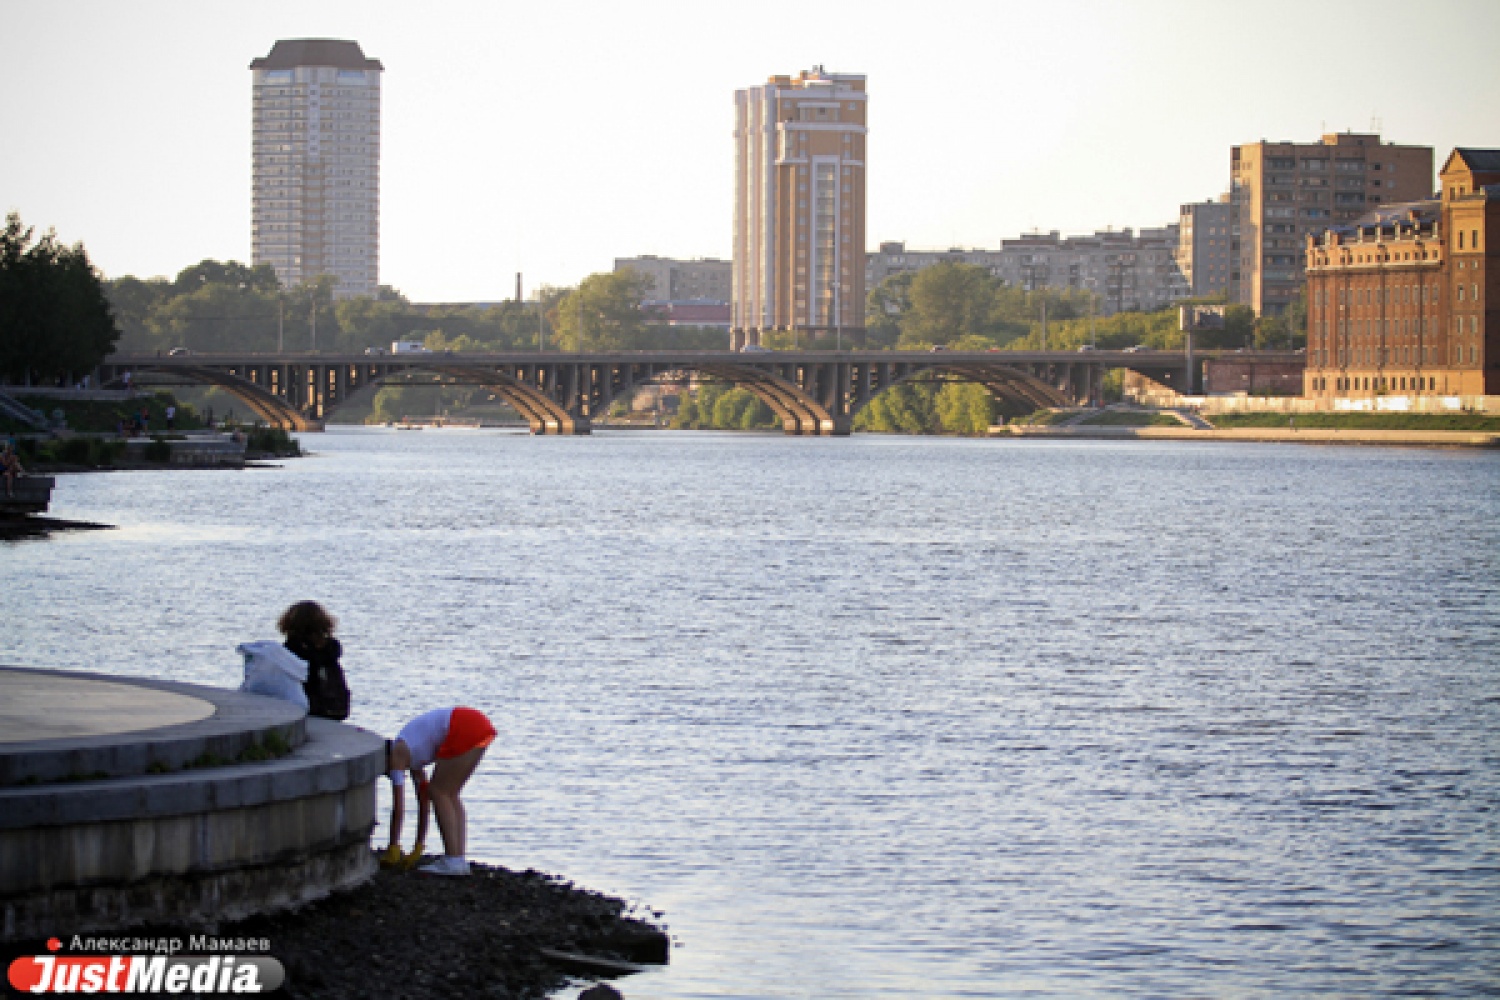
x: 406, y: 935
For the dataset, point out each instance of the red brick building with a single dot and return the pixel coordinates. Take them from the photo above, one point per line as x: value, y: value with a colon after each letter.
x: 1403, y: 302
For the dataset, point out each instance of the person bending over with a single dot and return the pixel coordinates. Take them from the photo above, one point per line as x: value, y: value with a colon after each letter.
x: 452, y: 740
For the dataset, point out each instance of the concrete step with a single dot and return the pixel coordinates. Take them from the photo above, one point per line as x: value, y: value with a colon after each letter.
x: 69, y: 726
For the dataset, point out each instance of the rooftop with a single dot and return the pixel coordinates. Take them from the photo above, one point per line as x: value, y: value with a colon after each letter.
x: 290, y: 54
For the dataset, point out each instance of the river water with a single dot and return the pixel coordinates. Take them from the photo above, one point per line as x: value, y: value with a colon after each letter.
x: 890, y: 717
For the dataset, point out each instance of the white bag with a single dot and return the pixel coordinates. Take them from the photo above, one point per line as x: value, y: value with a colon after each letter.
x: 275, y: 671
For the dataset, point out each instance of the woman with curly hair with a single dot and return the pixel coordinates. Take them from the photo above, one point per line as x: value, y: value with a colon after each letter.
x: 309, y: 635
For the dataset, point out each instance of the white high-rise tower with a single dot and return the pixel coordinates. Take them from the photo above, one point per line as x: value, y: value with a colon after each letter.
x: 316, y: 164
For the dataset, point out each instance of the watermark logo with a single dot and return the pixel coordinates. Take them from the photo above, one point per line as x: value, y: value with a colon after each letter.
x: 162, y: 971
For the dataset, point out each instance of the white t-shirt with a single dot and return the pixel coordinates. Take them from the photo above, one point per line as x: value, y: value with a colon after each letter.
x: 422, y: 736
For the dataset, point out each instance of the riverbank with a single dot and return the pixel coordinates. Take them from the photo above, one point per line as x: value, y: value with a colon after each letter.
x: 406, y: 934
x: 1281, y: 435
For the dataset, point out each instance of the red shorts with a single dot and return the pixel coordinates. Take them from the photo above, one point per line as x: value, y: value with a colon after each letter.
x: 468, y: 729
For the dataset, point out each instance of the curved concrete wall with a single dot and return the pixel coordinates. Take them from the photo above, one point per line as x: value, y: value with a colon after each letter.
x: 190, y: 845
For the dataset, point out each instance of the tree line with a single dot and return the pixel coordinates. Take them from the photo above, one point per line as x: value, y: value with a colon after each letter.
x: 228, y: 306
x: 965, y: 307
x: 55, y: 321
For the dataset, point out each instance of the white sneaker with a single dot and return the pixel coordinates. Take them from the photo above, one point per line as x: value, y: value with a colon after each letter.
x: 446, y: 865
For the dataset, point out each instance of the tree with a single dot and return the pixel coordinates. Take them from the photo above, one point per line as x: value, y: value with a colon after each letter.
x: 55, y: 321
x: 603, y: 313
x: 1286, y: 331
x: 948, y: 300
x: 886, y: 303
x: 133, y: 302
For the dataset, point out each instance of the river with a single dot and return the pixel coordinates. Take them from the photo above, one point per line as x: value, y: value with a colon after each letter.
x: 890, y: 717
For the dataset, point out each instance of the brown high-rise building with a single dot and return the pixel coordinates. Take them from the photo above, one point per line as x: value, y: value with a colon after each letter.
x: 1403, y: 302
x: 1282, y: 191
x: 799, y: 208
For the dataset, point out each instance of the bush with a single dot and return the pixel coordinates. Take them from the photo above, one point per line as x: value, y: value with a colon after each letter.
x: 158, y: 451
x: 106, y: 451
x: 272, y: 441
x: 73, y: 451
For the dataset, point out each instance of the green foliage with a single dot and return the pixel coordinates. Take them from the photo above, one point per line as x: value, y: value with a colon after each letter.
x: 929, y: 408
x: 1286, y: 332
x: 271, y: 441
x: 158, y: 450
x: 74, y: 451
x: 1132, y: 418
x: 603, y: 313
x: 963, y: 307
x: 1362, y: 421
x: 1045, y: 418
x: 885, y: 304
x: 717, y: 406
x: 94, y: 416
x: 226, y: 306
x: 948, y: 301
x: 55, y: 321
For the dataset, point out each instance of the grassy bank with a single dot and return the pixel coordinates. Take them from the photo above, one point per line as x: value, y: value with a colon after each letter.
x: 1132, y: 418
x: 1361, y: 421
x: 99, y: 417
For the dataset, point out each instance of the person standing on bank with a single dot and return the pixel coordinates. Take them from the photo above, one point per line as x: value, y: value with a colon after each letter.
x: 453, y: 741
x: 309, y: 636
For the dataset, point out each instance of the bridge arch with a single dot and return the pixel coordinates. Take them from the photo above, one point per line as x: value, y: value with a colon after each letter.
x: 266, y: 405
x: 1016, y: 391
x: 543, y: 414
x: 799, y: 412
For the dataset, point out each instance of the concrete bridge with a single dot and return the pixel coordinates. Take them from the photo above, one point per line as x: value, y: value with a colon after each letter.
x: 812, y: 392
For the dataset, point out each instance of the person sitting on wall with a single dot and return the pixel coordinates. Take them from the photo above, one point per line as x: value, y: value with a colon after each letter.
x: 453, y: 740
x: 309, y: 635
x: 10, y: 468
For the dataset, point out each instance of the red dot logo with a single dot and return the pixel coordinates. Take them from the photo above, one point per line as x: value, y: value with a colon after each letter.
x: 53, y: 944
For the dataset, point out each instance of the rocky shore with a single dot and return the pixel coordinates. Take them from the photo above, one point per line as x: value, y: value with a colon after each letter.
x: 406, y: 935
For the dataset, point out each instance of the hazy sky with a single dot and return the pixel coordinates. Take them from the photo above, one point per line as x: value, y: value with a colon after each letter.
x: 550, y: 138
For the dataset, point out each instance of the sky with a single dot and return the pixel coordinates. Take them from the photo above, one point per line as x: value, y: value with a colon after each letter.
x: 551, y: 138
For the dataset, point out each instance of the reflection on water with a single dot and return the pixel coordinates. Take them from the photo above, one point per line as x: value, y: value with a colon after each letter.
x: 888, y: 717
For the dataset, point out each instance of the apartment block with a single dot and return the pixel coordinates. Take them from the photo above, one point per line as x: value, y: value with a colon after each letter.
x: 1126, y: 269
x: 315, y: 164
x: 1403, y: 300
x: 799, y: 207
x: 1205, y: 250
x: 1282, y: 191
x: 701, y: 280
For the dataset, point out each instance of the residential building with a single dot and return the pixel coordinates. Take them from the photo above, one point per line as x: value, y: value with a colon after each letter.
x: 1205, y: 252
x: 687, y: 312
x: 681, y: 280
x: 799, y: 207
x: 1403, y: 301
x: 315, y: 164
x: 1126, y: 269
x: 1282, y: 191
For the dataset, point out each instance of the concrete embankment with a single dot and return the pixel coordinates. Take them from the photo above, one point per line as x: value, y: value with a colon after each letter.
x: 1283, y: 435
x: 127, y: 802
